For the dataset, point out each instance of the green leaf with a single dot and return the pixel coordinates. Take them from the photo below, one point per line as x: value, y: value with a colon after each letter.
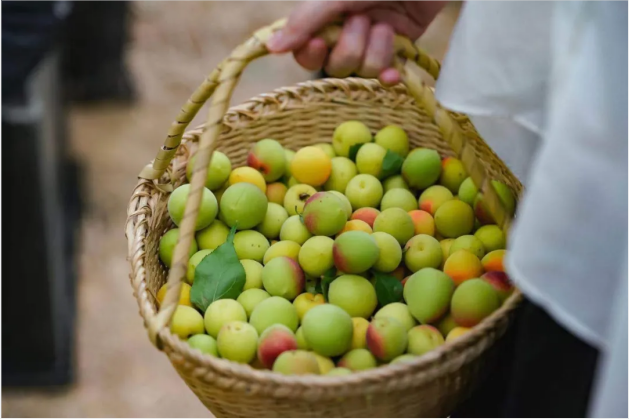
x: 392, y: 164
x: 313, y: 285
x: 353, y: 150
x: 219, y: 275
x: 326, y: 280
x: 318, y: 289
x: 388, y: 289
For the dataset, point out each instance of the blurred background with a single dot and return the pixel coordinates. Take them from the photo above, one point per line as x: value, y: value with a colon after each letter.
x: 89, y: 91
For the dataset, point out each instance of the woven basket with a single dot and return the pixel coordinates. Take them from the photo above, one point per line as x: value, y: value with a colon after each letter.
x: 297, y: 116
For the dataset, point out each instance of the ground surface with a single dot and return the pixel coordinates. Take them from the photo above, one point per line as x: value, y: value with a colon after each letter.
x: 119, y: 373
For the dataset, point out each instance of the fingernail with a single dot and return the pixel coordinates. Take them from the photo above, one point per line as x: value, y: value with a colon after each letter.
x: 277, y: 42
x: 390, y: 77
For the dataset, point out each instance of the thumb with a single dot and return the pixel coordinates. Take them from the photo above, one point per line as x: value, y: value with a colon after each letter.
x: 305, y: 20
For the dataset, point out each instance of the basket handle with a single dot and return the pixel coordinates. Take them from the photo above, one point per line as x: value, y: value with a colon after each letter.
x: 222, y: 81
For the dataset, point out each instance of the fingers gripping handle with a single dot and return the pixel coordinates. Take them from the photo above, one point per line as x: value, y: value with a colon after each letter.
x: 256, y: 47
x: 220, y: 85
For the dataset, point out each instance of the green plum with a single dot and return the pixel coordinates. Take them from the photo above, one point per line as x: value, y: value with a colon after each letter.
x: 272, y: 311
x: 358, y: 360
x: 369, y: 159
x: 268, y: 157
x: 348, y: 134
x: 421, y: 168
x: 301, y: 340
x: 393, y: 138
x: 433, y: 197
x: 290, y: 154
x: 273, y: 342
x: 296, y: 363
x: 282, y: 248
x: 243, y: 205
x: 283, y: 277
x: 343, y: 170
x: 364, y: 191
x: 221, y: 312
x: 250, y: 244
x: 402, y: 359
x: 204, y: 343
x: 399, y: 198
x: 167, y: 246
x: 253, y: 272
x: 194, y: 261
x: 328, y: 329
x: 296, y: 198
x: 354, y: 294
x: 394, y: 182
x: 399, y: 312
x: 338, y: 372
x: 327, y: 148
x: 346, y: 204
x: 472, y: 301
x: 427, y: 293
x: 324, y: 214
x: 294, y: 230
x: 396, y: 222
x: 390, y: 252
x: 454, y: 218
x: 422, y: 251
x: 213, y: 235
x: 273, y: 221
x: 468, y: 191
x: 250, y: 298
x: 355, y: 251
x: 315, y: 256
x: 386, y: 338
x: 218, y: 171
x: 186, y: 322
x: 208, y: 208
x: 237, y: 341
x: 492, y: 237
x: 470, y: 243
x: 424, y: 338
x: 452, y: 174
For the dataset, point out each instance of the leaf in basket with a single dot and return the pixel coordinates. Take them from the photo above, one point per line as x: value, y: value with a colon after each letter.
x: 353, y: 150
x: 313, y: 285
x: 391, y: 164
x: 317, y: 289
x: 388, y: 289
x: 326, y: 280
x: 219, y: 275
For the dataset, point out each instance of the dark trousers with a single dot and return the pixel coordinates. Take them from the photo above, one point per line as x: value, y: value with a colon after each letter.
x: 543, y: 371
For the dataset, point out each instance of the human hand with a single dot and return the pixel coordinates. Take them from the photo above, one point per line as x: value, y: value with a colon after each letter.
x: 365, y: 45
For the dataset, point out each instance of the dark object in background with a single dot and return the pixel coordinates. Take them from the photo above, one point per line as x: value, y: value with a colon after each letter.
x: 41, y: 211
x: 41, y: 207
x: 29, y: 32
x: 95, y: 38
x: 40, y: 188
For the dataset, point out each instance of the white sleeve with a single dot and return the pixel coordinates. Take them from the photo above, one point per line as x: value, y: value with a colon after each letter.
x: 610, y: 390
x: 496, y: 71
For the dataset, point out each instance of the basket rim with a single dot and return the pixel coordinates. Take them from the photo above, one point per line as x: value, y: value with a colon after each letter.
x: 138, y: 221
x: 280, y: 97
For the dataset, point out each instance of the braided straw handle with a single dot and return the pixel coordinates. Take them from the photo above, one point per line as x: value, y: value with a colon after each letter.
x: 221, y: 82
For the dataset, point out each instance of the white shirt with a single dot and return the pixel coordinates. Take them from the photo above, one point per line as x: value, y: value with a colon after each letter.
x: 545, y: 84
